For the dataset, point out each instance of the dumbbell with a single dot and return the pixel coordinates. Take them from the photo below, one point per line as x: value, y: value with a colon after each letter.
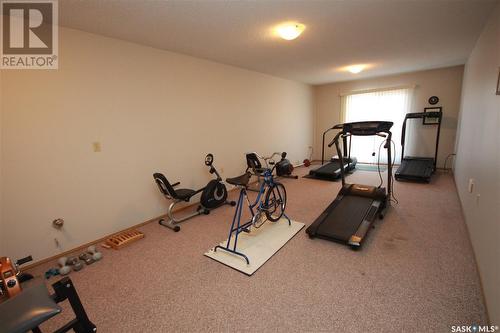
x: 63, y: 263
x: 77, y: 264
x: 96, y: 255
x: 85, y: 257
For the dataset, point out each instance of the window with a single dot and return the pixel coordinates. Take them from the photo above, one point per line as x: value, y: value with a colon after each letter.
x: 389, y: 105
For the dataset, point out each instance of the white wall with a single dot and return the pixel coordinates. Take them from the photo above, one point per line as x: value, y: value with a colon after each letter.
x: 151, y: 110
x: 444, y: 83
x: 478, y: 157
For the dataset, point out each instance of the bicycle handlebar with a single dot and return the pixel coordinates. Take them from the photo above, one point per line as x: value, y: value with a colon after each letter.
x: 266, y: 160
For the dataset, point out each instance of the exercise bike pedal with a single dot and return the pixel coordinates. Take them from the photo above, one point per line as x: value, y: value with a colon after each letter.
x: 202, y: 210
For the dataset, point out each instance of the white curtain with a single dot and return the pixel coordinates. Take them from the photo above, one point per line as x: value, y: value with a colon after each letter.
x: 389, y: 105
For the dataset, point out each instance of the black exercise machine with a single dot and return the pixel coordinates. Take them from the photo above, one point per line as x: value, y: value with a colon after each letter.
x: 284, y: 168
x: 419, y: 169
x: 213, y: 195
x: 33, y: 306
x: 349, y: 217
x: 331, y: 170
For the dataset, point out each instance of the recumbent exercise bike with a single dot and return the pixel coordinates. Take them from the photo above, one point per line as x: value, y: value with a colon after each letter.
x: 213, y: 195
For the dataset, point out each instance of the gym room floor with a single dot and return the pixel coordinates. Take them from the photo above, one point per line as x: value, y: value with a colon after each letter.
x: 415, y: 273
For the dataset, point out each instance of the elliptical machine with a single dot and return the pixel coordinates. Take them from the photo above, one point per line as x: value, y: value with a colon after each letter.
x: 213, y: 195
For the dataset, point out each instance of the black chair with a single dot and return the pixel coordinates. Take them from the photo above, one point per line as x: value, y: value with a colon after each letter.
x: 33, y: 306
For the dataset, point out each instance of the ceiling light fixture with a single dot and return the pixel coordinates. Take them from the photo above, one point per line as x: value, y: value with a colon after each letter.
x: 355, y: 69
x: 290, y: 31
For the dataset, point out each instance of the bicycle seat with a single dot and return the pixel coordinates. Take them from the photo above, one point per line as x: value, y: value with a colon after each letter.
x: 240, y: 180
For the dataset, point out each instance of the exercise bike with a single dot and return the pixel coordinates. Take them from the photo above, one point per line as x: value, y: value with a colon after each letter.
x: 213, y: 195
x: 269, y: 205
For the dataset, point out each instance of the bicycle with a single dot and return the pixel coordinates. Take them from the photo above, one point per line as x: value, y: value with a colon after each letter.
x: 269, y: 204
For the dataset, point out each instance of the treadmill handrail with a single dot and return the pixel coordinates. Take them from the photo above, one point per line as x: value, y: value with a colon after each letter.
x: 433, y: 114
x: 416, y: 115
x: 335, y: 127
x: 384, y: 127
x: 323, y: 144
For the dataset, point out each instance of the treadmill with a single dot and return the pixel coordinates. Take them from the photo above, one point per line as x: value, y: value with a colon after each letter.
x: 349, y: 217
x: 331, y: 170
x: 418, y: 169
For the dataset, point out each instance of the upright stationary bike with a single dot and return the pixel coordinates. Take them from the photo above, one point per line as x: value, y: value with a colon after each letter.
x: 269, y: 205
x: 213, y: 195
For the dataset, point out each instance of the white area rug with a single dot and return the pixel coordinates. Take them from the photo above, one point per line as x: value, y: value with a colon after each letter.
x: 259, y: 245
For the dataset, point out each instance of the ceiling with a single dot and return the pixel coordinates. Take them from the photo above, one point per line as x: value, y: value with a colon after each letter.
x: 391, y: 36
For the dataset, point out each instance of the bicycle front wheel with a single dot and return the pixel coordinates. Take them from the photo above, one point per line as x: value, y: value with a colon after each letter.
x: 275, y: 201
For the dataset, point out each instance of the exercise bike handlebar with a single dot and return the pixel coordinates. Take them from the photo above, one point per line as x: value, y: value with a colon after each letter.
x: 269, y: 159
x: 209, y: 162
x: 24, y: 260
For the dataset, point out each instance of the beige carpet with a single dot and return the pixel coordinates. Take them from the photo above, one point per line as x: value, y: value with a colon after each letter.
x: 415, y: 273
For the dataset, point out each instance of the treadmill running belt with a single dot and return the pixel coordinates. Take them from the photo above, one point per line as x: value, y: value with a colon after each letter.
x: 338, y: 224
x: 329, y: 168
x: 415, y: 168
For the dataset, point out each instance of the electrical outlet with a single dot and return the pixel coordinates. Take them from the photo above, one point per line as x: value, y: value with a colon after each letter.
x: 471, y: 185
x: 478, y: 196
x: 96, y: 146
x: 221, y: 170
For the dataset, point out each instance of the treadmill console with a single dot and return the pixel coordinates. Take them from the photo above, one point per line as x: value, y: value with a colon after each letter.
x: 365, y: 128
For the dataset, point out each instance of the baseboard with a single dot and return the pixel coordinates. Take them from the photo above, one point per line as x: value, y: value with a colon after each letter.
x: 102, y: 239
x: 483, y: 294
x: 86, y: 245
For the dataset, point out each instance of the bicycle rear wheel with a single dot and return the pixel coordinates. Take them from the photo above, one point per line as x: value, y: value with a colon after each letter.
x: 275, y: 202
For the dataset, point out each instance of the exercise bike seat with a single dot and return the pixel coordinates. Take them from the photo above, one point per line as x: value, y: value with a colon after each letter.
x: 181, y: 194
x: 27, y: 310
x: 240, y: 180
x: 184, y: 194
